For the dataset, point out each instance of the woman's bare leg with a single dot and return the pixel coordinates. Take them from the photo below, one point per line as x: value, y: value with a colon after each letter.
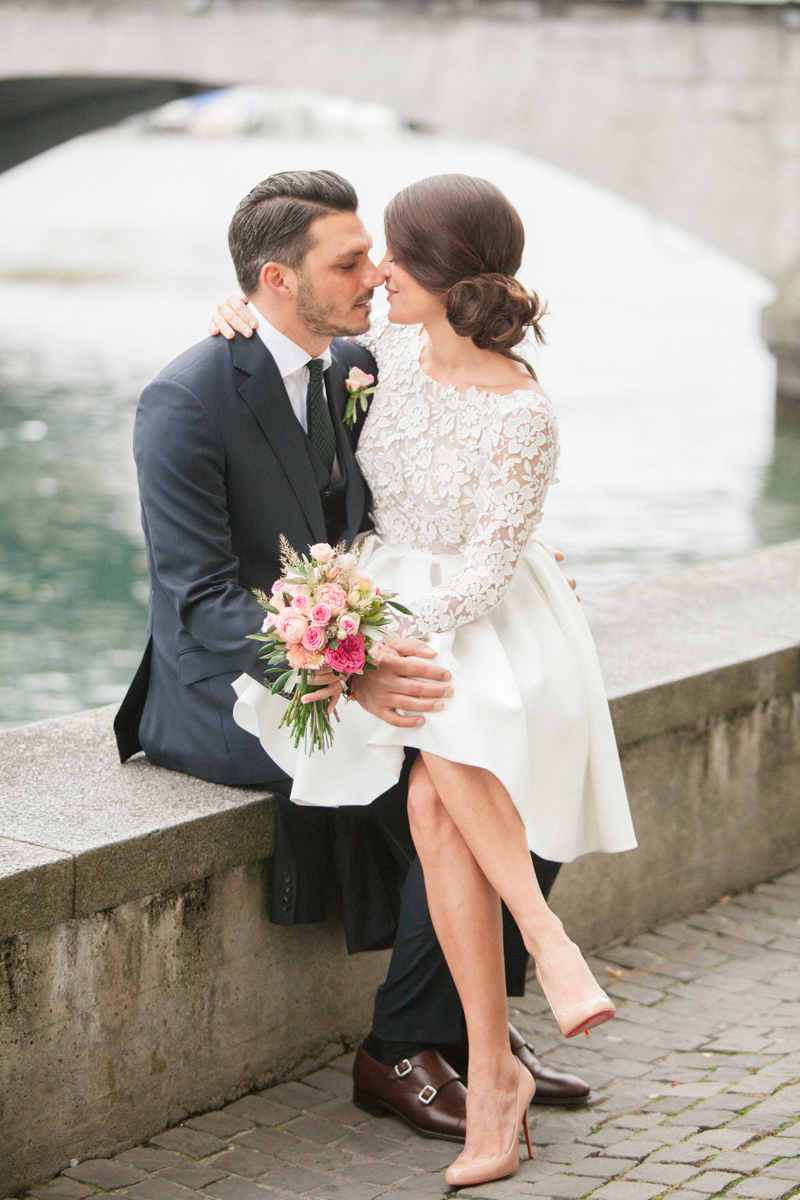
x: 493, y: 831
x: 465, y: 910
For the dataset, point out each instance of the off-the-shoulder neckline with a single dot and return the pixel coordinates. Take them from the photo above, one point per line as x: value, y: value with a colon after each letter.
x: 476, y: 391
x: 451, y: 387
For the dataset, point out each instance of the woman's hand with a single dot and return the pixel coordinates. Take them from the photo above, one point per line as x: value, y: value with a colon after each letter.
x: 403, y: 680
x: 329, y: 688
x: 232, y: 316
x: 558, y: 555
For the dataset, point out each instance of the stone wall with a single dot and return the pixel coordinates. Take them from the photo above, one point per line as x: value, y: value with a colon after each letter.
x: 139, y: 977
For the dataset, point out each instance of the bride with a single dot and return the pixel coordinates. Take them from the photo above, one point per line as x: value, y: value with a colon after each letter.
x: 459, y: 448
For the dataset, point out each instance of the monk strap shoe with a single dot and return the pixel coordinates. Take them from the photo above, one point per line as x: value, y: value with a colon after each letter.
x: 424, y: 1091
x: 552, y: 1086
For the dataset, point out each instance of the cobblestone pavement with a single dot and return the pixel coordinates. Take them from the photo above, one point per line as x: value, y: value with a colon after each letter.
x: 696, y: 1093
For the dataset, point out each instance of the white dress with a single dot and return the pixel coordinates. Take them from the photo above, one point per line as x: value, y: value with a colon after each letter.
x: 458, y: 483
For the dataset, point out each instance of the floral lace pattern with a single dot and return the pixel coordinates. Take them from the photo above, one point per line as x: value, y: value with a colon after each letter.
x: 453, y: 473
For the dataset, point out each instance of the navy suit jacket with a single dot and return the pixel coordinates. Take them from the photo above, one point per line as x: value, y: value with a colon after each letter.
x: 224, y: 469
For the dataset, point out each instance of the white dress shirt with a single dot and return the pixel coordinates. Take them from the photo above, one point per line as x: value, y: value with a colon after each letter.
x: 292, y: 362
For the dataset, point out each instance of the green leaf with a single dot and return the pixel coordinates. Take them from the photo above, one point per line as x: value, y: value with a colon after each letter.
x: 278, y: 684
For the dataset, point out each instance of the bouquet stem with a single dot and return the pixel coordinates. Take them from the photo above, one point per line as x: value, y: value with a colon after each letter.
x: 311, y: 721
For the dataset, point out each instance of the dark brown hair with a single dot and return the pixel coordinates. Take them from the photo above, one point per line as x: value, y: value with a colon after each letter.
x: 460, y: 238
x: 272, y: 223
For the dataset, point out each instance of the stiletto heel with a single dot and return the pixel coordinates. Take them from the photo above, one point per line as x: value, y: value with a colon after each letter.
x: 498, y: 1166
x: 573, y: 976
x: 527, y: 1133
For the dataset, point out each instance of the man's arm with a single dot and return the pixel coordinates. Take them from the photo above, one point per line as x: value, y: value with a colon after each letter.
x: 181, y: 464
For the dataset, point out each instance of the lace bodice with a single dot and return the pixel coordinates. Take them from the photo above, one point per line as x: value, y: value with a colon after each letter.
x: 453, y: 473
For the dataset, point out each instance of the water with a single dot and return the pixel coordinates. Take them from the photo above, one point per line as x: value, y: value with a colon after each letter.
x: 113, y: 256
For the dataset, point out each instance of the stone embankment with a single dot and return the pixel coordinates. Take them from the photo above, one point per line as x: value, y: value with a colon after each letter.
x: 140, y: 980
x: 696, y: 1093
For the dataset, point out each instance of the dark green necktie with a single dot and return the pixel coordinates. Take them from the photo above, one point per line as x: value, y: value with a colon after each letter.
x: 320, y: 427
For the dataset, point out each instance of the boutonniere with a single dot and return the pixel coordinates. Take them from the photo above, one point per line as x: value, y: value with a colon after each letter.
x: 358, y: 392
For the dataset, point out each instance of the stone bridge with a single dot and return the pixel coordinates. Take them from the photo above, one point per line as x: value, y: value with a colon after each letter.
x: 690, y: 109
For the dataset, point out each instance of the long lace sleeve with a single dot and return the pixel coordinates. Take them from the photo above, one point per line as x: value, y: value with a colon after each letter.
x: 514, y: 484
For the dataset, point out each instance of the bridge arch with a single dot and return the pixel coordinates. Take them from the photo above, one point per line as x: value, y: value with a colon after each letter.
x: 690, y: 110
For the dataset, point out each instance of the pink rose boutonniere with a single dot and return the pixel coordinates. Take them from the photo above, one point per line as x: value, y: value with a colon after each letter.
x: 358, y: 392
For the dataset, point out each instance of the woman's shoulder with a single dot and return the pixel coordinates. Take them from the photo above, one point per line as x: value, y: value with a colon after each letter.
x: 527, y: 397
x: 526, y: 413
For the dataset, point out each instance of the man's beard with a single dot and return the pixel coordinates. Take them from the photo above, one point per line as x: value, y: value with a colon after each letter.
x: 320, y: 319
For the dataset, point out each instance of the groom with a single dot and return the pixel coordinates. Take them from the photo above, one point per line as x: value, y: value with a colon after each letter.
x: 236, y: 443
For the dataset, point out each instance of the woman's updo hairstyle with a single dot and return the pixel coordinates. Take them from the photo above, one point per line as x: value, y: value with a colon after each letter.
x: 460, y: 238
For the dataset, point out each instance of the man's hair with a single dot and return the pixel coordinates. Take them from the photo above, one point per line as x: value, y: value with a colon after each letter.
x: 272, y: 223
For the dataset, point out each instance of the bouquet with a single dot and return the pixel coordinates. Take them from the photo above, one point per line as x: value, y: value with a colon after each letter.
x: 324, y: 610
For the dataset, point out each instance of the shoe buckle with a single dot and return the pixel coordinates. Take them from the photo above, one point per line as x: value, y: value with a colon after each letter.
x: 428, y: 1094
x: 403, y: 1068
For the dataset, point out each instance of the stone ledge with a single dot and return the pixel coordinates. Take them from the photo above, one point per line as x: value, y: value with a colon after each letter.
x: 82, y: 833
x: 692, y: 646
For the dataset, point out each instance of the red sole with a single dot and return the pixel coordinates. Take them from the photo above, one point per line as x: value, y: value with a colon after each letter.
x: 591, y: 1022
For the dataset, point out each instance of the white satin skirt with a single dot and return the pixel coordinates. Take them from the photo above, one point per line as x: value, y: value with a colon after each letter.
x: 529, y: 705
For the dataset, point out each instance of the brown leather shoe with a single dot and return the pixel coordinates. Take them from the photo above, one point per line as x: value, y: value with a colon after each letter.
x: 552, y: 1086
x: 423, y: 1090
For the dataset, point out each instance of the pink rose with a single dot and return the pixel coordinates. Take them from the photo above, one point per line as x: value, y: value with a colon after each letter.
x: 332, y: 595
x: 348, y: 625
x: 269, y: 621
x: 320, y: 614
x: 358, y: 379
x: 314, y: 638
x: 349, y: 655
x: 377, y: 652
x: 321, y: 551
x: 280, y: 585
x: 291, y: 626
x: 300, y: 601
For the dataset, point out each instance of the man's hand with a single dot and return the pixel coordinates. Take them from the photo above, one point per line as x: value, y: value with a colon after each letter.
x: 232, y: 316
x: 558, y: 555
x: 403, y: 679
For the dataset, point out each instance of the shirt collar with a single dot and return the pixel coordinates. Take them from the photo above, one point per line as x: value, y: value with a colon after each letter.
x: 289, y: 357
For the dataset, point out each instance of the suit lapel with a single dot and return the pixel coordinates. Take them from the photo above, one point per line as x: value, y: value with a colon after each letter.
x: 337, y: 398
x: 265, y: 395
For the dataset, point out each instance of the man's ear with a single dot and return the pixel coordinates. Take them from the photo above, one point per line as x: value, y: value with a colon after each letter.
x: 278, y: 279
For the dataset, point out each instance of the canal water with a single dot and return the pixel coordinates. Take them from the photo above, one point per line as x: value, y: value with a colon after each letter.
x: 112, y: 258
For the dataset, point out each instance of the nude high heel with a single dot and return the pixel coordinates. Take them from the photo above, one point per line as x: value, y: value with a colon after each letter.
x: 498, y: 1166
x: 565, y: 975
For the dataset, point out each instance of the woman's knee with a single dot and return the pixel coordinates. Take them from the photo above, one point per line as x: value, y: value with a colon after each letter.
x: 427, y: 815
